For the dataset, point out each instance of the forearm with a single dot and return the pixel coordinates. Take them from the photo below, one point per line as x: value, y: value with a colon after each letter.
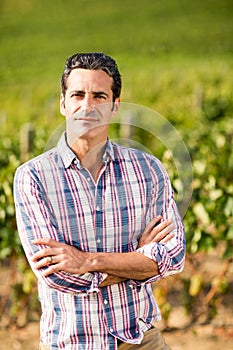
x: 112, y: 280
x: 139, y: 266
x: 131, y: 265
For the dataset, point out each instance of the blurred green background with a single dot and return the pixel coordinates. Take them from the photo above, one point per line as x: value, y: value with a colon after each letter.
x: 164, y: 49
x: 175, y: 57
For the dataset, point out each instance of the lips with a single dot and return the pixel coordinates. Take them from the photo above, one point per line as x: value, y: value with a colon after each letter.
x: 87, y: 117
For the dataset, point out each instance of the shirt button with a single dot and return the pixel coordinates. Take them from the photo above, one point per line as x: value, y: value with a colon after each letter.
x: 98, y: 208
x: 111, y: 329
x: 105, y: 302
x: 88, y: 179
x: 98, y: 241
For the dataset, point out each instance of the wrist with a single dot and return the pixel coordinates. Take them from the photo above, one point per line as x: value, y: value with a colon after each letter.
x: 94, y: 262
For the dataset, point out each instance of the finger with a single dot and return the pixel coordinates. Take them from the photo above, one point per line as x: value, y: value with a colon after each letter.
x: 46, y: 261
x: 46, y: 241
x: 51, y: 269
x: 163, y: 234
x: 43, y: 253
x: 167, y: 238
x: 158, y: 236
x: 158, y: 228
x: 48, y: 272
x: 152, y: 224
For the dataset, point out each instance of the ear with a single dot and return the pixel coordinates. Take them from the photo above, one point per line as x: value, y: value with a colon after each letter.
x: 116, y: 106
x: 62, y: 105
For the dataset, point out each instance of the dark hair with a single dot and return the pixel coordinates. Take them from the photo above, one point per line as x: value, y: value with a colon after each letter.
x: 95, y: 61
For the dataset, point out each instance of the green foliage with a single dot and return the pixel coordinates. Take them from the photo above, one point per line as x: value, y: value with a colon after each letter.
x: 209, y: 219
x: 23, y: 294
x: 9, y: 240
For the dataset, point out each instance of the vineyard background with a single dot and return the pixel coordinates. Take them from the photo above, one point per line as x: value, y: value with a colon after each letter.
x: 175, y: 57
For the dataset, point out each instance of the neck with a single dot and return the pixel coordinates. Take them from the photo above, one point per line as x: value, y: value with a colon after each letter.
x: 90, y: 154
x: 88, y: 149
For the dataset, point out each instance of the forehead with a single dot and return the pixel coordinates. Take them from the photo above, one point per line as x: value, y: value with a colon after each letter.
x: 89, y: 79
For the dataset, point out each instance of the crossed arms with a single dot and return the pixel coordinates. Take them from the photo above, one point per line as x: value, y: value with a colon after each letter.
x: 118, y: 266
x: 160, y: 250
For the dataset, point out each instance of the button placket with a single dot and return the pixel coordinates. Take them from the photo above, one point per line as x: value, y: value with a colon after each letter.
x: 99, y: 212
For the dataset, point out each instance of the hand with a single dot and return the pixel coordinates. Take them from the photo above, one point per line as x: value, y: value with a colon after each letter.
x: 154, y: 232
x: 59, y: 257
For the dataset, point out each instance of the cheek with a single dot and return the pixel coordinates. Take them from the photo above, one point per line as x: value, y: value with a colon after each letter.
x: 105, y: 109
x: 72, y: 106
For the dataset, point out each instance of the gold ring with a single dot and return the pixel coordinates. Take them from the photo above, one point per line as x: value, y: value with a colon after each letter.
x: 50, y: 260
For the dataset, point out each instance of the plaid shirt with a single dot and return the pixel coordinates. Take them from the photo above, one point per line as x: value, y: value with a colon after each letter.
x: 56, y: 197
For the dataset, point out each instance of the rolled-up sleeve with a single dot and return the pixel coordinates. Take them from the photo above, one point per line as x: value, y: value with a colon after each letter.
x: 35, y: 219
x: 170, y: 257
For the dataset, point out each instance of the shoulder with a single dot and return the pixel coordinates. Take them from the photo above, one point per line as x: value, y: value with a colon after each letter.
x: 132, y: 154
x: 143, y: 164
x: 36, y: 164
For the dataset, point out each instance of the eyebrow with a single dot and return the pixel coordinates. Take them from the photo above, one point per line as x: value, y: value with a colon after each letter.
x: 92, y: 92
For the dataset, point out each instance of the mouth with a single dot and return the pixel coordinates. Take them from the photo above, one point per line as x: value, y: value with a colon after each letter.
x: 89, y: 117
x: 86, y: 119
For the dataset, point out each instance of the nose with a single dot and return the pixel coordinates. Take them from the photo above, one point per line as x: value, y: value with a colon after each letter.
x: 88, y: 103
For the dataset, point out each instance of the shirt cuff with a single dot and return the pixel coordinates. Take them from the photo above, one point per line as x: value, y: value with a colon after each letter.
x: 158, y: 253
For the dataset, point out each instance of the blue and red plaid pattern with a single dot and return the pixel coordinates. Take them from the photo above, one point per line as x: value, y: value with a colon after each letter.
x: 56, y: 197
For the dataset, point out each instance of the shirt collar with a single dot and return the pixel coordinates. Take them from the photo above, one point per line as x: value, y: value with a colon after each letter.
x: 68, y: 156
x: 109, y: 152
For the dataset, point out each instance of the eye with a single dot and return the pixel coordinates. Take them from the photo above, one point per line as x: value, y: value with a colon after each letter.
x: 100, y: 96
x: 78, y: 94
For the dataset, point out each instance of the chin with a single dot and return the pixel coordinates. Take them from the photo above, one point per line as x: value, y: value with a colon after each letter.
x: 97, y: 133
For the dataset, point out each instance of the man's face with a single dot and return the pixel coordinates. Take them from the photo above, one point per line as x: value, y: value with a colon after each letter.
x: 88, y: 104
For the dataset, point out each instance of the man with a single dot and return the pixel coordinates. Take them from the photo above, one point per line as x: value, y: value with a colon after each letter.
x: 98, y: 223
